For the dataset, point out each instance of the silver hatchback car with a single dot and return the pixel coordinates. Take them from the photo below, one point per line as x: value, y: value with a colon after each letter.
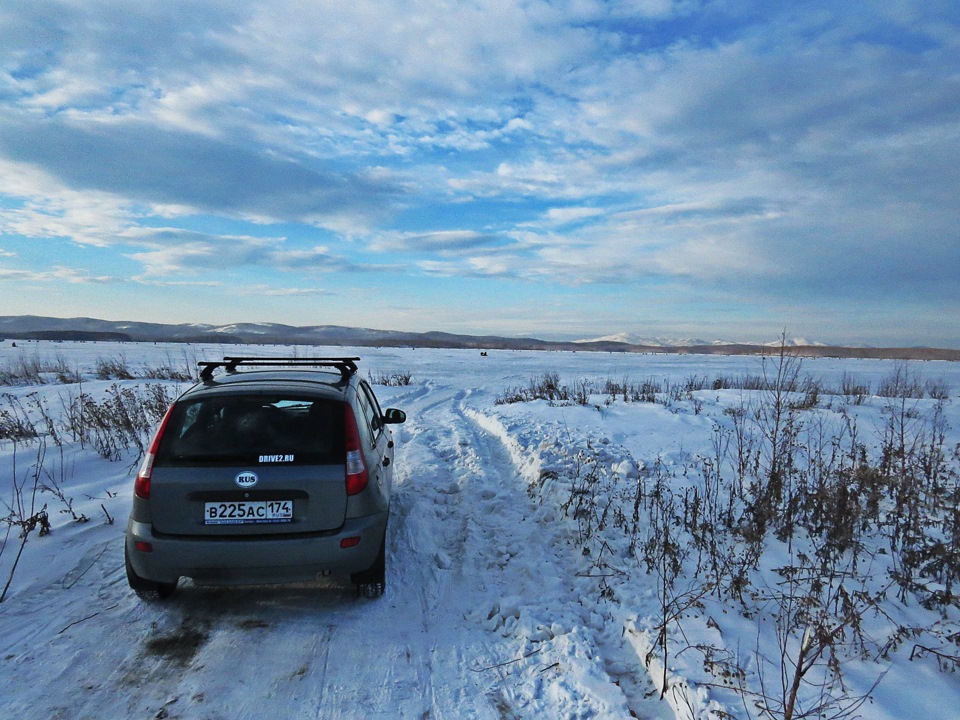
x: 277, y: 470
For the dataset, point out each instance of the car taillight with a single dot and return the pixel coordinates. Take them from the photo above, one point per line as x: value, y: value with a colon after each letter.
x: 357, y: 475
x: 141, y: 486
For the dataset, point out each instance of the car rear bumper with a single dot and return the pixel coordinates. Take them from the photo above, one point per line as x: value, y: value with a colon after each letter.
x: 254, y: 560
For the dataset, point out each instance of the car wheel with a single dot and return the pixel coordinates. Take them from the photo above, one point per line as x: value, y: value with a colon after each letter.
x: 371, y: 583
x: 148, y: 590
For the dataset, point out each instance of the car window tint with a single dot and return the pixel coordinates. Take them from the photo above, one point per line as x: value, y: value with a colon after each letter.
x: 262, y: 429
x: 363, y: 424
x: 374, y: 404
x: 368, y: 416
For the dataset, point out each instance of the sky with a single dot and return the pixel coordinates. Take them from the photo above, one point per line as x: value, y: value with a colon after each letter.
x: 711, y: 169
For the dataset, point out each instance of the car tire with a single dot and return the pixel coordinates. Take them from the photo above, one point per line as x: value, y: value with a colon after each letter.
x: 148, y: 590
x: 371, y: 583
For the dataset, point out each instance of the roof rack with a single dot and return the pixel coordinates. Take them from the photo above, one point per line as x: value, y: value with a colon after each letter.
x: 346, y: 365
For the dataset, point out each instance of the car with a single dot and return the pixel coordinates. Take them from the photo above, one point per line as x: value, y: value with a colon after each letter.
x: 272, y: 471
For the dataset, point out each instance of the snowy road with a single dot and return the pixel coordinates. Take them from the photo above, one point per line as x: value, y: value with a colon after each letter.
x: 476, y: 622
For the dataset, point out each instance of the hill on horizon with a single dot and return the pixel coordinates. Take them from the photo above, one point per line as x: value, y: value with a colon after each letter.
x: 34, y: 327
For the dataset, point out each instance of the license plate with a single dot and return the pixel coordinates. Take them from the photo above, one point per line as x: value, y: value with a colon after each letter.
x: 247, y: 511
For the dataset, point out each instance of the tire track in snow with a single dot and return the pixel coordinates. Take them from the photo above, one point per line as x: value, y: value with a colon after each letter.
x: 616, y: 660
x: 499, y: 568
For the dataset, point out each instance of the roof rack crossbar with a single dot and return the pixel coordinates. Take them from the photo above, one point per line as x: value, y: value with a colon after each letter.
x: 346, y: 365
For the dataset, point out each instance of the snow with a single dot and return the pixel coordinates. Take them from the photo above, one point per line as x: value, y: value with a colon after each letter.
x: 492, y: 609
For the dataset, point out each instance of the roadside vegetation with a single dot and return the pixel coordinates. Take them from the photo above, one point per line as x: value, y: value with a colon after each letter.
x: 838, y: 537
x: 113, y: 420
x: 35, y: 369
x: 394, y: 379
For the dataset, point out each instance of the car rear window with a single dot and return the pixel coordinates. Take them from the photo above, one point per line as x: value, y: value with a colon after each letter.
x: 261, y: 429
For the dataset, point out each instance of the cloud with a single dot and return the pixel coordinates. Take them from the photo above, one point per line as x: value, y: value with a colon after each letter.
x: 445, y: 243
x: 57, y: 274
x: 45, y: 208
x: 328, y: 74
x: 143, y: 163
x: 151, y: 282
x: 566, y: 215
x: 271, y: 291
x: 175, y: 252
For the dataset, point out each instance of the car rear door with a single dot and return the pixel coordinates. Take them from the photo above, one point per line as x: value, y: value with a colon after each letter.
x: 250, y: 464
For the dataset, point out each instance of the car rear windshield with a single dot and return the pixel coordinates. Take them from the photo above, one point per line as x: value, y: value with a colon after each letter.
x: 261, y: 429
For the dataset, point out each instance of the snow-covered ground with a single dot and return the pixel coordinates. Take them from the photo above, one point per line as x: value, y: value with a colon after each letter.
x: 509, y: 595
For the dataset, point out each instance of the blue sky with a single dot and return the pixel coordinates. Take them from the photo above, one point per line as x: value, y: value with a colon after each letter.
x: 571, y: 168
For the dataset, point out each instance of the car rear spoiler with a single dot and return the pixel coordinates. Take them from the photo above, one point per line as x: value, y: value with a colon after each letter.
x: 346, y: 365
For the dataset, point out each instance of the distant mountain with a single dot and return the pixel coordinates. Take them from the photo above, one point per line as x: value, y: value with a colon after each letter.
x: 632, y: 339
x: 799, y: 342
x: 647, y: 341
x: 33, y: 327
